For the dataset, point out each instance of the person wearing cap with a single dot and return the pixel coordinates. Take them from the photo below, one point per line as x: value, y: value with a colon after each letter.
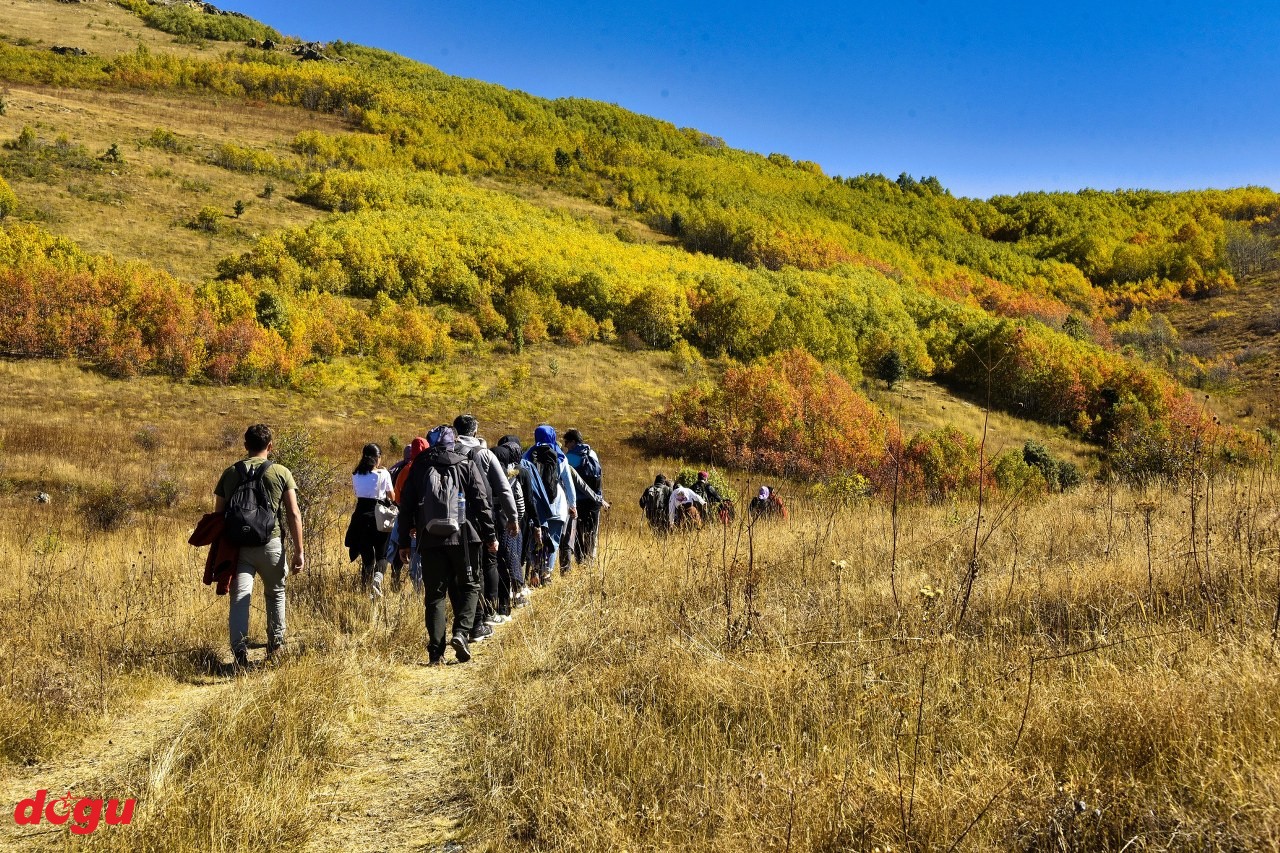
x: 704, y: 488
x: 584, y: 461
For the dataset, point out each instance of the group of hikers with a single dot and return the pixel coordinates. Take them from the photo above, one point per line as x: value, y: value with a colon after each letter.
x: 468, y: 524
x: 474, y: 526
x: 672, y: 507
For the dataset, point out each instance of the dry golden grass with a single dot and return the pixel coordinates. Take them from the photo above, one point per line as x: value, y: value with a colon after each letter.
x: 922, y: 406
x: 1234, y: 323
x: 728, y: 692
x: 102, y: 28
x: 716, y: 692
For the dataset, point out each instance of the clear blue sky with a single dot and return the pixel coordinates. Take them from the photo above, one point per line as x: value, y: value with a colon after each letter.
x: 991, y: 97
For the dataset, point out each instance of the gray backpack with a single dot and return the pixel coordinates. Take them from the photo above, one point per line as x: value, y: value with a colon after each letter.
x: 441, y: 512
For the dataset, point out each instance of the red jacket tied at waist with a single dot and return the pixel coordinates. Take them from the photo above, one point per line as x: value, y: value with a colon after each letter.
x: 223, y: 555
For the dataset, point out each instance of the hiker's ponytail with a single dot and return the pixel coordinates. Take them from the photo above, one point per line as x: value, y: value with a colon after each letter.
x: 371, y: 454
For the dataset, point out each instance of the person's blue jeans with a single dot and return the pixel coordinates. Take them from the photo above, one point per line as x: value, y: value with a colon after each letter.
x: 415, y: 561
x: 551, y: 533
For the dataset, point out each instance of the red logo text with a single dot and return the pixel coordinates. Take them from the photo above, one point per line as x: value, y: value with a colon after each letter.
x: 84, y: 813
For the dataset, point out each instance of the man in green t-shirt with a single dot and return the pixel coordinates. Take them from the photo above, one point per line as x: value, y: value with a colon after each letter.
x: 266, y: 560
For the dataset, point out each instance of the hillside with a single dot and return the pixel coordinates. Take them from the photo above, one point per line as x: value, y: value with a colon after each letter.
x: 364, y: 212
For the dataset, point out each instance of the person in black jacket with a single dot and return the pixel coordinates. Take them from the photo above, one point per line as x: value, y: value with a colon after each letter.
x: 511, y: 543
x: 450, y: 564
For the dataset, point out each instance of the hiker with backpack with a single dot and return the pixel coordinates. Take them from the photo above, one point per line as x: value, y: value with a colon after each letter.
x: 510, y: 543
x: 369, y: 530
x: 506, y: 518
x: 250, y: 496
x: 553, y: 500
x: 717, y: 505
x: 654, y: 503
x: 583, y: 460
x: 447, y: 502
x: 767, y: 504
x: 588, y: 501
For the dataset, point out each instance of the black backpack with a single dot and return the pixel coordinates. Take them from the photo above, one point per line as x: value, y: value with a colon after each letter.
x: 547, y: 463
x: 250, y: 518
x: 654, y: 502
x: 589, y: 467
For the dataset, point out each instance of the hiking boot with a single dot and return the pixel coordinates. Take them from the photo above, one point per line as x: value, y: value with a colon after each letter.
x: 275, y: 654
x: 480, y: 632
x: 460, y: 649
x: 435, y: 661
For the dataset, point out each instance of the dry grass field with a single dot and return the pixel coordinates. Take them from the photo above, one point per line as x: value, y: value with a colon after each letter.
x: 804, y: 686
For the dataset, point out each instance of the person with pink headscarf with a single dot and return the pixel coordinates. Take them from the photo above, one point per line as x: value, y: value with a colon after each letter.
x: 767, y: 504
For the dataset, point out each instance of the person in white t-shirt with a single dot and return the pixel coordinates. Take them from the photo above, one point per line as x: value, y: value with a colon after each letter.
x: 372, y: 485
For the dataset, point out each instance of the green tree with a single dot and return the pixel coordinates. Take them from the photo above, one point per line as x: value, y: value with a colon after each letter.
x: 891, y: 368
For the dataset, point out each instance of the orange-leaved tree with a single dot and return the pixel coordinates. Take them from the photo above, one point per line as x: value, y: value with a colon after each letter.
x: 786, y: 415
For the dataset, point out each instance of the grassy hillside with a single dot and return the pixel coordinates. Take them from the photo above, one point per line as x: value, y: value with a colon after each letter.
x: 489, y: 217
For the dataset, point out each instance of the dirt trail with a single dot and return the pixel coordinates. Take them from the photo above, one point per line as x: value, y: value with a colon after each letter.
x: 100, y: 764
x: 393, y: 792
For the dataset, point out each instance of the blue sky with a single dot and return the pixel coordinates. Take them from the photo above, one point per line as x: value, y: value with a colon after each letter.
x: 990, y: 97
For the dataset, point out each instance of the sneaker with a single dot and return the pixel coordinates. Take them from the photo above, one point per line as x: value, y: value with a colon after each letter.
x: 480, y: 632
x: 460, y: 649
x: 498, y: 619
x: 535, y: 580
x: 274, y: 655
x: 435, y: 661
x: 546, y: 578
